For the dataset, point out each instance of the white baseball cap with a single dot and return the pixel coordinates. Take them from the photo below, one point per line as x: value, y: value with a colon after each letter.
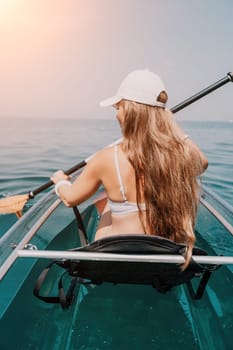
x: 140, y: 86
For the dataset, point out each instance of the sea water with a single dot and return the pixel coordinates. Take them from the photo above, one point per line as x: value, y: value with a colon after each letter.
x: 32, y: 149
x: 108, y: 317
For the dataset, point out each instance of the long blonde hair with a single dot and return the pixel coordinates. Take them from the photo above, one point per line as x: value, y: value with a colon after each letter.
x: 165, y: 172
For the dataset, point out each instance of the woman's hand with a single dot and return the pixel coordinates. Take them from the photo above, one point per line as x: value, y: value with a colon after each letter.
x: 58, y: 176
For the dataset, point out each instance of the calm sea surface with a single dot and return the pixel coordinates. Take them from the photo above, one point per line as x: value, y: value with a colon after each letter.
x: 31, y: 149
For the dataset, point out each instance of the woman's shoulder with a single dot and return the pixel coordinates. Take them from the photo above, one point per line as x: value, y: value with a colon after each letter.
x: 103, y: 156
x: 106, y: 158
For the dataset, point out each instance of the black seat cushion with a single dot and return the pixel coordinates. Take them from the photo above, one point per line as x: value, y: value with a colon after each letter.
x: 163, y: 276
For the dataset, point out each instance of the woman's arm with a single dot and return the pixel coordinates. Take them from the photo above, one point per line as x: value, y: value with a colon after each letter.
x: 83, y: 187
x: 198, y: 156
x: 201, y: 160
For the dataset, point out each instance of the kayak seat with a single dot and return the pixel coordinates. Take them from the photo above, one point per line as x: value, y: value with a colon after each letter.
x: 162, y: 276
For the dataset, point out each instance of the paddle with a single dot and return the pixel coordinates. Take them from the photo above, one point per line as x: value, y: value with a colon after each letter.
x: 15, y: 204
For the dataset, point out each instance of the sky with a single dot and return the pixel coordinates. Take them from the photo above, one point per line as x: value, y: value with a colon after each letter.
x: 60, y: 58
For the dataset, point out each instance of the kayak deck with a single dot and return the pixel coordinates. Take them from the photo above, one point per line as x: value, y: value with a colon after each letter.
x: 118, y: 316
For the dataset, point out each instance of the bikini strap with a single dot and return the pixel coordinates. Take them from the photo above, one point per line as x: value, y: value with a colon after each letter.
x: 122, y: 190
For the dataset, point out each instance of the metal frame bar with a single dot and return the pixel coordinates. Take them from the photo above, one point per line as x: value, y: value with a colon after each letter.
x: 95, y: 256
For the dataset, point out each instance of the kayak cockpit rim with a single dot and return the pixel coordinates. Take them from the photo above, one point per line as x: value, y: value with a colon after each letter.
x: 9, y: 236
x: 215, y: 212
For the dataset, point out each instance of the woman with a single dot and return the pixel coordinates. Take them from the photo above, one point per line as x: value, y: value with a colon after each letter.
x: 150, y: 178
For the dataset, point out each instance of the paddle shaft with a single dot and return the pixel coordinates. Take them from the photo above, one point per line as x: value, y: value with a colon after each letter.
x: 204, y: 92
x: 40, y: 189
x: 175, y: 109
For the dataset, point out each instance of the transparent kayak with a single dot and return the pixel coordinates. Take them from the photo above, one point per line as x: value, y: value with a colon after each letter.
x: 111, y: 316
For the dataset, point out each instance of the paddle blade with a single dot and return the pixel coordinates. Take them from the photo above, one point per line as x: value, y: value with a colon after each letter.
x: 13, y: 204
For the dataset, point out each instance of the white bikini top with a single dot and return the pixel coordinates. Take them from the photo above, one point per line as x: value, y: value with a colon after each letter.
x: 119, y: 208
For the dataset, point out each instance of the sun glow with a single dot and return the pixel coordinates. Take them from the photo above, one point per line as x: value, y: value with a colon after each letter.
x: 8, y: 8
x: 39, y: 42
x: 5, y: 4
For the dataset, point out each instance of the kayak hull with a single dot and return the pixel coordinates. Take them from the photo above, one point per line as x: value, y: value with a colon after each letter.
x: 118, y: 316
